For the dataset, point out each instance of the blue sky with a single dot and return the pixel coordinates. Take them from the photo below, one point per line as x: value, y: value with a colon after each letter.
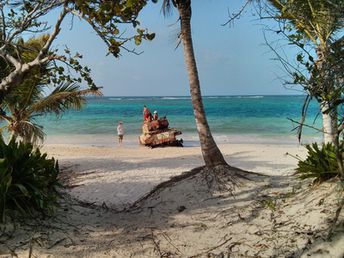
x: 231, y: 60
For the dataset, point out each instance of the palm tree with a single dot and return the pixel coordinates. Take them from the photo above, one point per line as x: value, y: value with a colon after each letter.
x: 212, y: 156
x: 27, y: 102
x: 318, y: 21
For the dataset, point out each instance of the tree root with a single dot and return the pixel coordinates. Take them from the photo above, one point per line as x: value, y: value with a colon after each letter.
x: 166, y: 184
x: 221, y: 177
x: 226, y: 178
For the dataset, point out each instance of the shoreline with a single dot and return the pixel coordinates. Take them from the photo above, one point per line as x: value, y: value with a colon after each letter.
x: 190, y: 140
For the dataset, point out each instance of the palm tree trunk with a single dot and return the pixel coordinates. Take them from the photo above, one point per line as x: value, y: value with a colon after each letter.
x: 329, y: 115
x: 329, y: 118
x: 211, y: 154
x: 331, y: 135
x: 339, y: 157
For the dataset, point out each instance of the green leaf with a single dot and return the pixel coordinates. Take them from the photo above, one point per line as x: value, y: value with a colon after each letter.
x: 22, y: 189
x: 320, y: 163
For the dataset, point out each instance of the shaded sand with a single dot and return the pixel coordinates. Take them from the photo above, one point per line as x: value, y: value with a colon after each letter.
x: 118, y: 176
x: 268, y: 216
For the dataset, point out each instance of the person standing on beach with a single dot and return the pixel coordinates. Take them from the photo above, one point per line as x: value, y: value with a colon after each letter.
x: 120, y: 132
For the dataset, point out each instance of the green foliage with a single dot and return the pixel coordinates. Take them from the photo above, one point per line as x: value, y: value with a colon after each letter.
x: 27, y: 100
x: 315, y: 19
x: 22, y: 19
x: 51, y: 72
x: 106, y: 18
x: 320, y: 164
x: 27, y: 180
x: 316, y: 28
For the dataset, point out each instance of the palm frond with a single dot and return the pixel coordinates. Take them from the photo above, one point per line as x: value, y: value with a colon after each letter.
x: 64, y: 97
x: 28, y: 131
x: 28, y: 99
x: 28, y: 92
x: 318, y: 19
x: 277, y: 4
x: 167, y: 6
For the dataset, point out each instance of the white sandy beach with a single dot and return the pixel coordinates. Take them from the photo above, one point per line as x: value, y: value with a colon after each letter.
x: 268, y: 216
x: 119, y: 175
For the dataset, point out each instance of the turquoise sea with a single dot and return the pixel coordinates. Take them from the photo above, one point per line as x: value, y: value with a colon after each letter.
x: 230, y: 117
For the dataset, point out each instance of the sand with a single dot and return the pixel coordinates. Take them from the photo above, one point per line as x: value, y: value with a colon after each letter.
x: 274, y: 215
x: 119, y: 175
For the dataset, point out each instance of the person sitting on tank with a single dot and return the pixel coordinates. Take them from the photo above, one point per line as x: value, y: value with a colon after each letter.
x: 155, y: 115
x: 147, y: 116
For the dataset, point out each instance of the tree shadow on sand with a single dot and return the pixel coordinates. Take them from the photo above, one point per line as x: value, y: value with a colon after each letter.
x: 119, y: 182
x: 188, y: 217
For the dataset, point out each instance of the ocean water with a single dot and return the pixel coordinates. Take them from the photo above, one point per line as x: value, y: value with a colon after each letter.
x: 239, y: 117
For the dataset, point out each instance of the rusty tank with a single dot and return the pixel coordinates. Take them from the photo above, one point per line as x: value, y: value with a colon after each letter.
x: 157, y: 133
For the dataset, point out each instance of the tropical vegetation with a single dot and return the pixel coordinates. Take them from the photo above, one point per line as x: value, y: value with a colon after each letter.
x: 27, y: 180
x: 23, y: 18
x: 27, y: 102
x: 315, y: 27
x: 320, y: 163
x: 30, y: 99
x: 28, y: 69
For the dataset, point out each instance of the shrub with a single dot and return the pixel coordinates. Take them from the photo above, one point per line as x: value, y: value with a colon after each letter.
x: 320, y: 164
x: 27, y: 180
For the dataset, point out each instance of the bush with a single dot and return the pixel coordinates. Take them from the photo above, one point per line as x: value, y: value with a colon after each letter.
x: 27, y: 180
x: 320, y: 164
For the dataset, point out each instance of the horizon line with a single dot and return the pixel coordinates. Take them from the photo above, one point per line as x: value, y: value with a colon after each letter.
x: 222, y: 95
